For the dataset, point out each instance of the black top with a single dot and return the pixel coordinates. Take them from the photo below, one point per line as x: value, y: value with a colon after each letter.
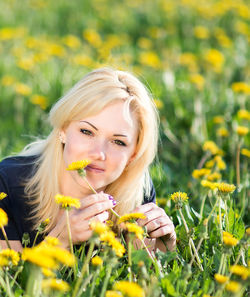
x: 13, y: 172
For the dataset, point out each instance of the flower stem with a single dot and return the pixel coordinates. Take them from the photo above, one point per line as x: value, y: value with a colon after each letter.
x: 130, y: 259
x: 191, y: 241
x: 34, y: 242
x: 202, y: 205
x: 238, y: 165
x: 69, y: 232
x: 84, y: 267
x: 107, y: 277
x: 220, y: 221
x: 157, y: 269
x: 5, y: 237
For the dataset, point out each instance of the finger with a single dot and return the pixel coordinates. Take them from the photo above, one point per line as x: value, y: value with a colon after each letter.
x: 93, y: 199
x: 95, y: 209
x: 145, y: 207
x: 157, y: 223
x: 151, y: 215
x: 102, y: 217
x: 162, y: 231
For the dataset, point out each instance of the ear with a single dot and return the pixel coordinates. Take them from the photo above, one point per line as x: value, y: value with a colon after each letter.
x: 132, y: 158
x: 62, y: 136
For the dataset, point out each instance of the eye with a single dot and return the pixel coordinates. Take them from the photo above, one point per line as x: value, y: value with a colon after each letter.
x: 119, y: 142
x: 86, y: 132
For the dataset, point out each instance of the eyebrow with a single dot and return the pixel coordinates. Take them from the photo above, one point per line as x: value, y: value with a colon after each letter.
x: 121, y: 135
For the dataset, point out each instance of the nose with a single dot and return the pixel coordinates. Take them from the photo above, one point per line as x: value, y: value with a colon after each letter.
x: 98, y: 152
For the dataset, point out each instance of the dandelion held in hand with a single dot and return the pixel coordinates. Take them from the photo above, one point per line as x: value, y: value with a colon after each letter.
x: 79, y: 166
x: 131, y: 216
x: 67, y: 201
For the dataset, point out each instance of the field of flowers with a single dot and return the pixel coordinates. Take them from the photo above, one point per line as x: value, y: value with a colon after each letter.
x: 194, y: 57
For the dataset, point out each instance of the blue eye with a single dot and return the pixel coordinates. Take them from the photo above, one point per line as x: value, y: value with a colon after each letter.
x: 86, y: 132
x: 119, y: 142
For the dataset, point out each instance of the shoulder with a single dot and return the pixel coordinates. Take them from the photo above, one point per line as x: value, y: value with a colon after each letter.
x: 17, y: 168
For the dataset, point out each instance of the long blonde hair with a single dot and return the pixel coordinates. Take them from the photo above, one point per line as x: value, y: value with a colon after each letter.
x: 88, y: 97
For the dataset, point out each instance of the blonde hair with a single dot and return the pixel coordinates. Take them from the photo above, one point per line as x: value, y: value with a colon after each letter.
x: 88, y: 97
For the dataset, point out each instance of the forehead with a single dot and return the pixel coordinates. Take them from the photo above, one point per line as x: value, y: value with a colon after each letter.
x: 116, y: 116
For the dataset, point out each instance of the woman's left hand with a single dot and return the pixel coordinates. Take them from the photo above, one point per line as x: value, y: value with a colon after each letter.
x: 158, y: 225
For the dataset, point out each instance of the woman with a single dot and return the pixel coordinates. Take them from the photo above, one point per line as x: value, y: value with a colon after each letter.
x: 108, y: 118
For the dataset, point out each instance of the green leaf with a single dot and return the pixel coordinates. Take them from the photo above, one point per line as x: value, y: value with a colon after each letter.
x: 168, y: 287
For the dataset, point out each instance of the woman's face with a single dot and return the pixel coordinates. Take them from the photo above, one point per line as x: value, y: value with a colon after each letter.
x: 107, y: 139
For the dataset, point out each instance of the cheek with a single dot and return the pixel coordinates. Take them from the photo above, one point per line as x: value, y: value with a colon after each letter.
x: 73, y: 149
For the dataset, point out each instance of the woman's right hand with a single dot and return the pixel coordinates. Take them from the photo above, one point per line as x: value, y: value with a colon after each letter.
x: 93, y: 207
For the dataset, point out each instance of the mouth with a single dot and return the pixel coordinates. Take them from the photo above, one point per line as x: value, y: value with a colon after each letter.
x: 95, y: 169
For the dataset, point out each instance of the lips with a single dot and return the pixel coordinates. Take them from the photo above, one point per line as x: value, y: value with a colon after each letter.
x: 94, y: 168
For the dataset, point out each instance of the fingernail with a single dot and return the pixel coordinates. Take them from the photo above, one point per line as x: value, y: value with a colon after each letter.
x: 114, y: 202
x: 111, y: 197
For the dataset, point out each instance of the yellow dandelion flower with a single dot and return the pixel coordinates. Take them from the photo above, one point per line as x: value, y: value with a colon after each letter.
x: 242, y: 131
x: 113, y: 294
x: 215, y: 59
x: 3, y: 218
x: 46, y: 222
x: 22, y: 89
x: 241, y: 87
x: 226, y: 188
x: 211, y: 147
x: 109, y: 223
x: 198, y: 80
x: 242, y: 271
x: 129, y: 289
x: 96, y: 261
x: 245, y: 152
x: 248, y: 231
x: 109, y: 238
x: 39, y: 100
x: 233, y: 286
x: 55, y: 284
x: 207, y: 184
x: 134, y: 228
x: 8, y: 80
x: 78, y: 165
x: 198, y: 173
x: 214, y: 176
x: 92, y: 37
x: 67, y: 201
x: 98, y: 227
x: 131, y: 216
x: 223, y: 132
x: 158, y: 103
x: 53, y: 241
x: 209, y: 164
x: 201, y: 32
x: 229, y: 239
x: 244, y: 114
x: 2, y: 195
x: 179, y: 196
x: 48, y: 272
x: 71, y: 41
x: 218, y: 120
x: 10, y: 255
x: 3, y: 261
x: 150, y: 59
x: 37, y: 257
x: 161, y: 201
x: 219, y: 162
x: 83, y: 60
x: 221, y: 279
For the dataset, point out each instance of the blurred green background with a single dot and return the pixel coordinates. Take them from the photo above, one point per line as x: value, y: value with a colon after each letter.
x: 192, y: 55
